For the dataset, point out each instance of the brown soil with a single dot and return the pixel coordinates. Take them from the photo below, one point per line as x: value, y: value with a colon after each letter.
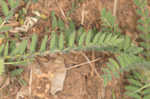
x: 81, y: 82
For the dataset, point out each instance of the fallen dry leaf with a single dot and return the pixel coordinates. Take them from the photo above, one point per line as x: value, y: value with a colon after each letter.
x: 57, y: 74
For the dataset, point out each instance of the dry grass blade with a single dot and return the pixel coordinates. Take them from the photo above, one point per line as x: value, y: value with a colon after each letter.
x: 75, y: 66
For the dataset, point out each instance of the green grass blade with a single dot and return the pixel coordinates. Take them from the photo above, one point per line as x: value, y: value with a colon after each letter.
x: 1, y: 49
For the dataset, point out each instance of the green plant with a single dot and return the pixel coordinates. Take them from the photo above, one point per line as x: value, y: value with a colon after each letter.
x: 8, y: 13
x: 62, y: 39
x: 109, y: 22
x: 57, y: 43
x: 74, y: 6
x: 139, y: 85
x: 143, y: 26
x: 143, y: 88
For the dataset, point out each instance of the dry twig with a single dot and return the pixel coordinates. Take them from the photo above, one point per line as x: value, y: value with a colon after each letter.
x: 75, y: 66
x: 115, y: 7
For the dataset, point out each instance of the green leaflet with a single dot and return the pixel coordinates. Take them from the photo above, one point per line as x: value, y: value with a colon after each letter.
x: 16, y: 72
x: 114, y: 64
x: 134, y: 96
x: 108, y: 22
x: 2, y: 68
x: 33, y: 43
x: 61, y: 41
x: 1, y: 20
x: 127, y: 42
x: 13, y: 4
x: 96, y: 38
x: 44, y: 43
x: 82, y: 39
x: 88, y: 37
x: 146, y: 97
x: 107, y: 18
x: 146, y: 91
x: 6, y: 49
x: 72, y: 39
x: 5, y: 8
x: 71, y: 26
x: 116, y: 40
x: 22, y: 82
x: 53, y: 41
x: 135, y: 82
x: 1, y: 49
x: 101, y: 39
x: 121, y: 60
x: 22, y: 63
x: 126, y: 61
x: 134, y: 50
x: 5, y: 28
x: 21, y: 48
x: 141, y: 28
x: 54, y: 20
x: 61, y: 24
x: 107, y: 40
x: 131, y: 88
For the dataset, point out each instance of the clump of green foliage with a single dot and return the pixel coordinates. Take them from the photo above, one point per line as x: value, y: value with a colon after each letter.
x: 136, y: 62
x: 139, y: 85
